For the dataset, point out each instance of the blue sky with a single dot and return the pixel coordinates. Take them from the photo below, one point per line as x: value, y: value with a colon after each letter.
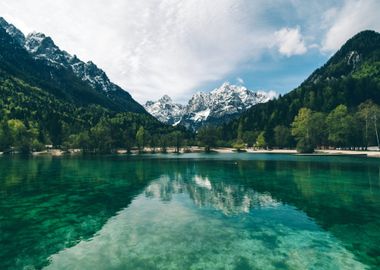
x: 281, y: 74
x: 178, y: 47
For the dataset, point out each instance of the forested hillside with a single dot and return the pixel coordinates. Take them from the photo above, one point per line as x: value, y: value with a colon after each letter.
x: 350, y: 78
x: 42, y: 104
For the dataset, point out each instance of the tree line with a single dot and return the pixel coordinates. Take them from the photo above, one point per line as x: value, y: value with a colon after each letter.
x: 108, y: 135
x: 339, y: 128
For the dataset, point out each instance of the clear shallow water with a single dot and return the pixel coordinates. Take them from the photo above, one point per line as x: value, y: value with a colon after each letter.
x: 192, y: 211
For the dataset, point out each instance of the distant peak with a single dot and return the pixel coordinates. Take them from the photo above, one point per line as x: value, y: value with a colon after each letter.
x: 36, y: 40
x: 35, y: 34
x: 226, y: 85
x: 363, y: 42
x: 91, y: 64
x: 366, y: 33
x: 40, y: 37
x: 165, y: 99
x: 12, y: 31
x: 3, y: 22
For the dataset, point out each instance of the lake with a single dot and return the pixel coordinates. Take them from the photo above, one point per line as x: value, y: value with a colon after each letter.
x: 190, y: 211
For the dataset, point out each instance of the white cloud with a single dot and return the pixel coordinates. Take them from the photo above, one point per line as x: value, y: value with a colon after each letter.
x: 153, y: 47
x: 289, y: 41
x: 240, y: 80
x: 352, y: 18
x: 148, y: 47
x: 269, y: 94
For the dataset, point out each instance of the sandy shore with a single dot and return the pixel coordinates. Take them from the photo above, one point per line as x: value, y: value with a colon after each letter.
x: 348, y: 152
x: 222, y: 150
x: 255, y: 151
x: 293, y: 151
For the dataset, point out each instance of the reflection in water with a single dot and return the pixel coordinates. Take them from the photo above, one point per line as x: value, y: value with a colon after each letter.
x: 49, y: 204
x: 228, y: 198
x: 202, y: 181
x: 179, y: 224
x: 243, y: 211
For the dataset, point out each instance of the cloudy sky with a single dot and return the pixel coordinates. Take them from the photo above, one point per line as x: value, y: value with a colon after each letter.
x: 175, y: 47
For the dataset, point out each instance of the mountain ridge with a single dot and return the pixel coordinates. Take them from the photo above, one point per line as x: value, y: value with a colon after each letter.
x: 42, y: 48
x: 217, y: 106
x: 43, y: 102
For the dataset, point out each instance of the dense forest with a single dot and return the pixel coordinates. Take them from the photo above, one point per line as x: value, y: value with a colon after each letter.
x: 339, y: 128
x: 32, y: 118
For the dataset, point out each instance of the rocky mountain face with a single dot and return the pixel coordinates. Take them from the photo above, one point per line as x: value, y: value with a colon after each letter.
x: 218, y: 106
x: 165, y: 110
x: 43, y: 48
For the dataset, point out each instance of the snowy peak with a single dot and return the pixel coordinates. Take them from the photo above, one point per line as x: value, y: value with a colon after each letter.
x: 42, y: 47
x: 12, y: 31
x: 165, y: 110
x: 218, y: 106
x: 165, y: 99
x: 198, y: 102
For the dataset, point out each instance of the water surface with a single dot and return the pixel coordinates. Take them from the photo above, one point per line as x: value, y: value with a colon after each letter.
x: 192, y: 211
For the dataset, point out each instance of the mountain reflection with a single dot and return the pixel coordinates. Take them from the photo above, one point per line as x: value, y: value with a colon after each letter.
x: 67, y: 200
x: 231, y: 199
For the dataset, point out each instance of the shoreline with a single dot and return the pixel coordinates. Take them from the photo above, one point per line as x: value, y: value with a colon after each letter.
x: 221, y: 150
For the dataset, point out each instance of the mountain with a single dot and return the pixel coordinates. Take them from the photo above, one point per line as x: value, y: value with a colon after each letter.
x: 350, y: 77
x: 45, y: 53
x: 165, y: 110
x: 49, y: 97
x: 218, y: 106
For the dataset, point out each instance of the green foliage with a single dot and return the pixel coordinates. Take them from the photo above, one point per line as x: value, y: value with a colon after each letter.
x: 339, y: 126
x: 207, y: 136
x: 304, y: 146
x: 282, y: 136
x: 239, y: 144
x: 261, y: 142
x: 5, y: 136
x: 302, y: 124
x: 250, y: 137
x: 140, y: 138
x: 308, y: 129
x: 177, y: 140
x: 368, y: 114
x: 20, y: 136
x: 240, y: 131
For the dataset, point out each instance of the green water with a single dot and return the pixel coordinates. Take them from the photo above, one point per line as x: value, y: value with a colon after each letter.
x: 192, y: 211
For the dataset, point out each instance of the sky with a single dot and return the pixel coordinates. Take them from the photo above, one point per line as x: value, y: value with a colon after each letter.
x: 152, y: 48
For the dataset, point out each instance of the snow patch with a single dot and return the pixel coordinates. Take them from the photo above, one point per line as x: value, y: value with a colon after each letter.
x: 220, y: 103
x: 201, y: 116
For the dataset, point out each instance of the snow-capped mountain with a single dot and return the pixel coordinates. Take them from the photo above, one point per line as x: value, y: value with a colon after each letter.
x: 12, y: 31
x: 43, y: 48
x: 165, y: 110
x: 217, y: 106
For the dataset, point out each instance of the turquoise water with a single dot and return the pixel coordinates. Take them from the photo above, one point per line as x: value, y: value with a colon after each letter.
x: 191, y: 211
